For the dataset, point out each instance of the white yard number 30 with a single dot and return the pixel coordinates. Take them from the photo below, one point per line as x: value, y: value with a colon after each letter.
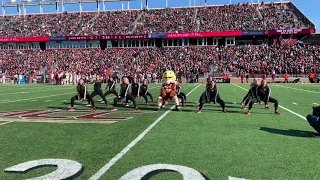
x: 68, y: 169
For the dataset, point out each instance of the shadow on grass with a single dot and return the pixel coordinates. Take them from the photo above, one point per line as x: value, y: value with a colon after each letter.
x: 290, y: 132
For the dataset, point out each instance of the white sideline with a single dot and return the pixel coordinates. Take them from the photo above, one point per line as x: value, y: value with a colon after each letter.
x: 35, y: 98
x: 5, y: 123
x: 29, y: 87
x: 42, y: 97
x: 297, y: 89
x: 299, y: 115
x: 114, y: 160
x: 41, y: 90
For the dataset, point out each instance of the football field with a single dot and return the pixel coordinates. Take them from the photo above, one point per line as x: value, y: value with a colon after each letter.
x: 38, y: 134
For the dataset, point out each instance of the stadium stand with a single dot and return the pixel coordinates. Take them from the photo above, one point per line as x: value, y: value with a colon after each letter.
x: 233, y: 60
x: 212, y: 18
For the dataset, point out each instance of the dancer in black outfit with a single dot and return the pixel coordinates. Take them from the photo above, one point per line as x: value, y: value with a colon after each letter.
x: 209, y: 80
x: 211, y: 94
x: 135, y: 87
x: 262, y: 93
x: 144, y: 92
x: 111, y: 88
x: 314, y: 120
x: 97, y: 91
x: 125, y: 92
x: 181, y: 95
x: 255, y: 83
x: 82, y: 94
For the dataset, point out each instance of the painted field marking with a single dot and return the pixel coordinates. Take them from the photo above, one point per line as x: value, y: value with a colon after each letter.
x: 35, y: 98
x: 28, y: 92
x: 32, y: 100
x: 47, y: 100
x: 297, y: 89
x: 299, y: 115
x: 294, y: 103
x: 5, y: 123
x: 59, y: 121
x: 5, y: 100
x: 235, y: 178
x: 32, y: 88
x: 114, y: 160
x: 315, y: 103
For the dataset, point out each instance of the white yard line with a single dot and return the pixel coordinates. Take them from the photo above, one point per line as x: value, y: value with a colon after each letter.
x: 294, y: 103
x: 33, y: 88
x: 35, y: 91
x: 114, y: 160
x: 297, y: 89
x: 5, y: 123
x: 35, y: 98
x: 299, y: 115
x: 315, y: 103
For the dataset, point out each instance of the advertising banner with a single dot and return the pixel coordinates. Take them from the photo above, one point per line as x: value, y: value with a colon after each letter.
x: 58, y: 38
x: 252, y: 33
x: 24, y: 39
x: 81, y: 38
x: 289, y: 31
x: 123, y: 37
x: 203, y: 34
x: 221, y: 80
x: 156, y: 36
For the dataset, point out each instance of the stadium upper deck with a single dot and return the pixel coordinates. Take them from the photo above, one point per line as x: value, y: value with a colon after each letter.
x: 266, y: 16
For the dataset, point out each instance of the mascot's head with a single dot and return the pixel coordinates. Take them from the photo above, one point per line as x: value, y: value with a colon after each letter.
x: 169, y: 77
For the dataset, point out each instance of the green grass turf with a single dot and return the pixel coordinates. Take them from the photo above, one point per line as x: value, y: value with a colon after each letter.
x: 259, y: 146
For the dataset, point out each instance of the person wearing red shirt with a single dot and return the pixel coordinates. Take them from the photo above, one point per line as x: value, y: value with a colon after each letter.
x: 286, y: 78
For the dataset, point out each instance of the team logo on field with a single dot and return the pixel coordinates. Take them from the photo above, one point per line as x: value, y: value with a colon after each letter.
x: 62, y: 116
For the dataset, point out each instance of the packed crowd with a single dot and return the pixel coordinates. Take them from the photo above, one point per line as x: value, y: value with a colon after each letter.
x: 149, y: 62
x: 211, y: 18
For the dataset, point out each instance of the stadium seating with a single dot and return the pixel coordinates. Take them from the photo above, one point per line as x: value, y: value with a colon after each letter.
x: 233, y: 59
x: 211, y: 18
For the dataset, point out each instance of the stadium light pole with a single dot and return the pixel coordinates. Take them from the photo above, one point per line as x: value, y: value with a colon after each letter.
x: 230, y: 1
x: 141, y: 4
x: 189, y: 3
x: 103, y: 5
x: 166, y: 3
x: 122, y: 5
x: 40, y: 6
x: 62, y: 6
x: 80, y: 6
x: 4, y: 9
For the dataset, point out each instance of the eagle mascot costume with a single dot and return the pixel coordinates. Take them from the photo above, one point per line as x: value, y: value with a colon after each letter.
x: 168, y: 90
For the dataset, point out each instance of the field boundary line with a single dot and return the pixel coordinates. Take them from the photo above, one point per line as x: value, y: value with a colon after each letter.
x: 18, y: 100
x: 40, y: 90
x: 4, y: 123
x: 296, y: 89
x: 30, y: 87
x: 290, y: 111
x: 36, y: 98
x: 114, y: 160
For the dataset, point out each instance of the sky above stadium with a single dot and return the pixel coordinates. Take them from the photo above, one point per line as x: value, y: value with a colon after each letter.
x: 309, y: 7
